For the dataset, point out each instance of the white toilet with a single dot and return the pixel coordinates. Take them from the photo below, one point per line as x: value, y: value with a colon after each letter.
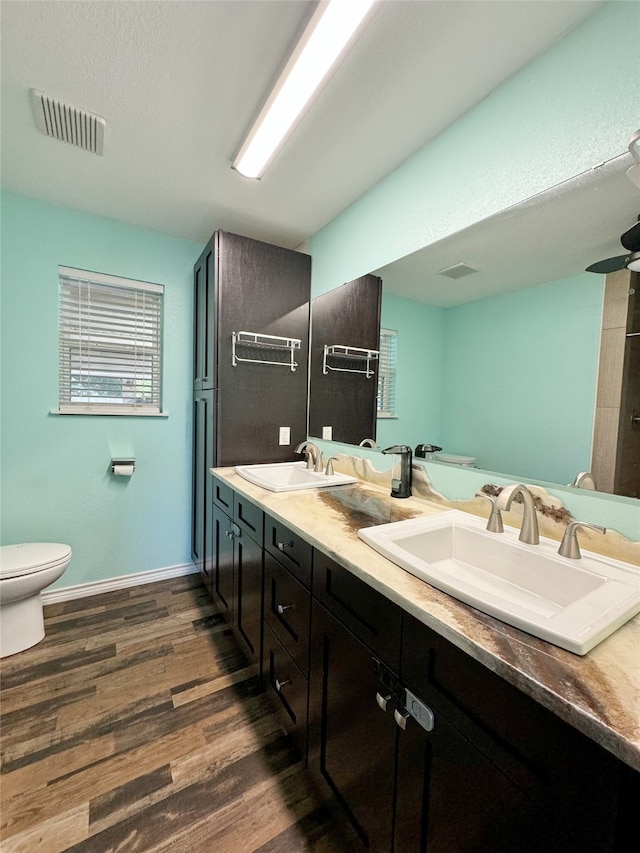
x: 25, y: 570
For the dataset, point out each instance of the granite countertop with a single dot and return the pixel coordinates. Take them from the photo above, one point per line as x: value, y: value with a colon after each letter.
x: 598, y: 693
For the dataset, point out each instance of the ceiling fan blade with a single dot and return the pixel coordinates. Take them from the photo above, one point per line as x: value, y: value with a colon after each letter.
x: 608, y: 265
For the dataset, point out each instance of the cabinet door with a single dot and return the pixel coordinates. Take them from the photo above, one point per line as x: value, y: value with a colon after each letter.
x: 247, y: 619
x: 222, y: 564
x: 261, y: 288
x: 352, y: 741
x: 556, y: 790
x: 204, y: 319
x: 203, y: 438
x: 451, y: 798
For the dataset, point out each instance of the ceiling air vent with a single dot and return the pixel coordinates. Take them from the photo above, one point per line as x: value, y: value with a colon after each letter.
x: 457, y: 270
x: 68, y: 124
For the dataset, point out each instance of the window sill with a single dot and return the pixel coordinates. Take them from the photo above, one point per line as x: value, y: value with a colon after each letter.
x: 105, y: 414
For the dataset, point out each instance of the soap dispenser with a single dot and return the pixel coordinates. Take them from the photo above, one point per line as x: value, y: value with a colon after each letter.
x: 401, y: 488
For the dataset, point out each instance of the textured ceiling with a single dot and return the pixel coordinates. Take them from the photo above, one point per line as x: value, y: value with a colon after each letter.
x: 179, y: 83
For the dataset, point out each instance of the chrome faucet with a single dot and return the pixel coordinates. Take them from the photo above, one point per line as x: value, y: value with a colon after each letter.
x: 584, y: 480
x: 367, y: 442
x: 312, y: 454
x: 529, y: 528
x: 569, y: 546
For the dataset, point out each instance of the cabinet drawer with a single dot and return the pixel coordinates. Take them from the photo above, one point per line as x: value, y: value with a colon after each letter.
x: 374, y: 619
x: 248, y: 517
x: 287, y: 609
x: 223, y: 495
x: 287, y: 547
x: 290, y: 687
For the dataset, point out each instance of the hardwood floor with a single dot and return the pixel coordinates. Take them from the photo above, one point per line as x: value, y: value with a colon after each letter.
x: 137, y: 725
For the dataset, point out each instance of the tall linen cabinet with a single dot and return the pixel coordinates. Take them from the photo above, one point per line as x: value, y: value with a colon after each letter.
x: 251, y: 331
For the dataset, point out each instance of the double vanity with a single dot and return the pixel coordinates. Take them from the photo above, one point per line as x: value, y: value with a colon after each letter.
x: 435, y: 724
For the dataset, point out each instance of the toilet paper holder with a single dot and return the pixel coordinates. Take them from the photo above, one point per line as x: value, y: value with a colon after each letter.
x: 123, y: 467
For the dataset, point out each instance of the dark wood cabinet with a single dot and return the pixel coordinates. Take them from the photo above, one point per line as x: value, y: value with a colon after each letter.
x: 222, y: 564
x: 342, y: 396
x: 237, y: 565
x: 355, y: 655
x: 203, y: 455
x: 287, y: 607
x: 244, y: 285
x: 500, y: 772
x: 352, y: 740
x: 204, y: 333
x: 427, y: 750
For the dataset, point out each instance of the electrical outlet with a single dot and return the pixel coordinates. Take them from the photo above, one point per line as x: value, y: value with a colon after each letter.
x: 327, y: 433
x: 285, y: 435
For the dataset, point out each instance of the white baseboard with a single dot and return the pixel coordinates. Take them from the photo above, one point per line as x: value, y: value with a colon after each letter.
x: 82, y: 590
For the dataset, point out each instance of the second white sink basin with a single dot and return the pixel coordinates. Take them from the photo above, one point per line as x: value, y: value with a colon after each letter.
x: 290, y: 476
x: 573, y: 604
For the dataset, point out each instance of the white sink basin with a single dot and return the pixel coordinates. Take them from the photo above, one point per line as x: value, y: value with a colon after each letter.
x: 573, y: 604
x: 290, y: 476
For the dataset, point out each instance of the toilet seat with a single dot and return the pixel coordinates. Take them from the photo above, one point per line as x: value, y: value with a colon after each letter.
x: 29, y: 557
x: 452, y: 459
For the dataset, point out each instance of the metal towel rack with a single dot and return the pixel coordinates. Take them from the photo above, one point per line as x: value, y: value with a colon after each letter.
x: 353, y: 354
x: 265, y: 342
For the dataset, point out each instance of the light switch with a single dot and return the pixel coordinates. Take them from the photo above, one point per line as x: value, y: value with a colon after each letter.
x: 327, y: 433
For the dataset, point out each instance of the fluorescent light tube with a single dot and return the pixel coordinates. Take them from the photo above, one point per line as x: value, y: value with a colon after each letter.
x: 322, y: 43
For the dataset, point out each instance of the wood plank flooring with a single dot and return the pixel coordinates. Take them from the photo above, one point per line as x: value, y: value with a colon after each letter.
x: 137, y: 725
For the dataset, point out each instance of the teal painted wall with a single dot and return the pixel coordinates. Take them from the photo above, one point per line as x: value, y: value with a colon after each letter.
x: 520, y: 379
x: 572, y: 108
x: 55, y: 480
x: 420, y: 330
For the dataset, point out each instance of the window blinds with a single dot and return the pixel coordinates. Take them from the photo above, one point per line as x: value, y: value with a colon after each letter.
x: 386, y: 402
x: 110, y: 344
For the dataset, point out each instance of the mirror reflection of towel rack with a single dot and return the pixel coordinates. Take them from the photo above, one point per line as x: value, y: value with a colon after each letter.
x: 351, y: 354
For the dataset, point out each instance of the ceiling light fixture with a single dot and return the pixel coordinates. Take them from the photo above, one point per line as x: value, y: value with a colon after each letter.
x: 324, y: 40
x: 633, y: 262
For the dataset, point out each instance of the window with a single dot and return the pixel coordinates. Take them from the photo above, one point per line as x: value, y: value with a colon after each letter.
x: 386, y: 403
x: 110, y: 344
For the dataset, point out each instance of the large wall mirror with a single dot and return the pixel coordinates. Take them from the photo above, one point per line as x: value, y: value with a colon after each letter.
x: 501, y: 334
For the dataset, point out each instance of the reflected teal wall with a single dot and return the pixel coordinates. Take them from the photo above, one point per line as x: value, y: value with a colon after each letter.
x: 510, y: 380
x: 419, y: 372
x: 520, y: 379
x: 55, y: 480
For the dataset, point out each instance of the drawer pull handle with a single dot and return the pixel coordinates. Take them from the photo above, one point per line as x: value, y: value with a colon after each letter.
x: 282, y: 545
x: 282, y: 608
x: 382, y: 700
x: 401, y: 718
x: 281, y: 684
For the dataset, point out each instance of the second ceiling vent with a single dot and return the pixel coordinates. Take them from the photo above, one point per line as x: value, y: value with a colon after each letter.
x: 68, y: 124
